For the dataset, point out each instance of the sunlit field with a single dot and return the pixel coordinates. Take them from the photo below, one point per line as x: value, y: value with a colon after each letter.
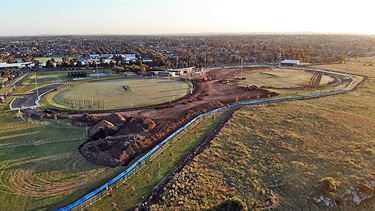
x: 274, y: 155
x: 113, y: 94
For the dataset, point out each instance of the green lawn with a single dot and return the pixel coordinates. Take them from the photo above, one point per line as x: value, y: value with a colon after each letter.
x: 45, y: 59
x: 40, y: 166
x: 112, y: 94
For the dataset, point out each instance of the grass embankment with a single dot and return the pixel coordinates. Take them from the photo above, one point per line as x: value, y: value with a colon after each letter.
x: 40, y: 165
x: 273, y: 155
x: 137, y: 187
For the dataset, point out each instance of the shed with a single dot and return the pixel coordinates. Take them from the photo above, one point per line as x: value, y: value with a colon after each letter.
x: 290, y: 62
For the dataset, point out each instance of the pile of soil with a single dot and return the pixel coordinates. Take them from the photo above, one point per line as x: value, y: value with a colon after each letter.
x: 113, y: 145
x: 118, y: 142
x: 102, y: 129
x: 115, y: 119
x: 86, y: 120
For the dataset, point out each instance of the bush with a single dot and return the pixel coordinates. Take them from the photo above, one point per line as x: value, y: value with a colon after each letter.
x: 366, y: 188
x: 233, y: 204
x: 327, y: 186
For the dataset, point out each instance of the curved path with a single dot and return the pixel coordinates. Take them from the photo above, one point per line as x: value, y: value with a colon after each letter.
x: 144, y: 157
x: 30, y: 100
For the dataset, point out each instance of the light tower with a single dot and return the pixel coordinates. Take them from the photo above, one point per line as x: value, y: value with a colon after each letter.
x: 36, y: 85
x: 241, y: 62
x: 347, y: 63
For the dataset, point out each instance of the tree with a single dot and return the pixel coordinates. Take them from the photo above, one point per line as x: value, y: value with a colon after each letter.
x: 79, y: 64
x: 49, y: 64
x: 168, y: 65
x: 143, y: 69
x: 10, y: 59
x: 37, y: 63
x: 174, y: 61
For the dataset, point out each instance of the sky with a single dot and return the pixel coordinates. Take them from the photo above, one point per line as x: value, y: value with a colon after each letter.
x: 139, y: 17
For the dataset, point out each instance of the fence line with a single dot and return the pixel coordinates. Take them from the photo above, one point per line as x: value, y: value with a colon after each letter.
x: 135, y: 166
x: 54, y: 123
x: 41, y: 142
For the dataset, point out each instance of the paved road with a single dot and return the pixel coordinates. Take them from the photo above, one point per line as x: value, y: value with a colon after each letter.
x: 30, y: 100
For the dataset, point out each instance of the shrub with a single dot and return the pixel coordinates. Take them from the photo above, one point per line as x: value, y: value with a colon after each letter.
x: 233, y: 204
x: 366, y: 188
x: 327, y: 185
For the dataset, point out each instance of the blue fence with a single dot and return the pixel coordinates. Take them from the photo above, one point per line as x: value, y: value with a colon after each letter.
x: 143, y: 158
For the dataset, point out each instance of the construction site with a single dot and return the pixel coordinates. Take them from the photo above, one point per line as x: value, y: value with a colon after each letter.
x: 118, y: 137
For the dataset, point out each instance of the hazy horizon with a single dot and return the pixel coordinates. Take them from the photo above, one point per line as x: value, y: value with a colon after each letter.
x: 128, y: 17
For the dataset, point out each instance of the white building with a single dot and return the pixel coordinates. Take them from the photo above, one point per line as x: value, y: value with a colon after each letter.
x: 289, y: 62
x: 21, y: 65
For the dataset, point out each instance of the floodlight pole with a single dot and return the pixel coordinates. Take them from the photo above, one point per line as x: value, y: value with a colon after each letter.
x: 36, y: 85
x: 347, y: 63
x: 205, y: 59
x: 241, y: 62
x: 97, y: 71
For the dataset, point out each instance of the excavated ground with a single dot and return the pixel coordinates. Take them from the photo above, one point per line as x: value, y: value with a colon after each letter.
x: 117, y: 138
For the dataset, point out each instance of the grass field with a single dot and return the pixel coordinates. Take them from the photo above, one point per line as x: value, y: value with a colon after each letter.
x: 281, y: 78
x: 112, y: 93
x: 45, y: 59
x: 40, y: 166
x: 276, y: 154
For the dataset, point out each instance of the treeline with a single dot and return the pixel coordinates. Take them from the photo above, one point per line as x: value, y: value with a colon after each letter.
x: 184, y: 51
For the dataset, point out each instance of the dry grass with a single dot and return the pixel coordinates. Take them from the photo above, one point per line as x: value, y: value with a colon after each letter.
x: 281, y: 78
x: 273, y: 155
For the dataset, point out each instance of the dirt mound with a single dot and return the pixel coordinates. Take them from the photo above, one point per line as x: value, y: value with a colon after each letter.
x: 135, y: 125
x: 137, y: 135
x: 102, y: 129
x: 112, y: 145
x: 115, y: 119
x: 86, y: 120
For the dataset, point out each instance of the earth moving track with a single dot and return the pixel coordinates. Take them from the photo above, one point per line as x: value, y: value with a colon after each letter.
x: 315, y: 80
x: 141, y: 160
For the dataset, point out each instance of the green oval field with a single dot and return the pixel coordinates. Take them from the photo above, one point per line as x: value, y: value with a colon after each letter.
x: 121, y: 93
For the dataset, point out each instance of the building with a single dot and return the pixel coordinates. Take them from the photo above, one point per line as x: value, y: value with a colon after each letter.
x: 188, y: 69
x: 164, y: 74
x: 289, y: 62
x: 176, y: 71
x: 21, y: 65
